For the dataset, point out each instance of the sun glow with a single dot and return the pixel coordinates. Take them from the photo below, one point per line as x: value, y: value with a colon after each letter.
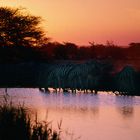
x: 82, y: 21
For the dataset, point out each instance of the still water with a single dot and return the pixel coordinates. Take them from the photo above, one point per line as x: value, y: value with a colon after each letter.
x: 84, y: 116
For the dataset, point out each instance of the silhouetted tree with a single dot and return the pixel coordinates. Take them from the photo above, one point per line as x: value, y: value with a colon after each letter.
x: 20, y: 29
x: 134, y: 50
x: 71, y: 50
x: 133, y: 44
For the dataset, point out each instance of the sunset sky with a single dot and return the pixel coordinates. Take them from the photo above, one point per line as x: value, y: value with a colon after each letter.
x: 82, y: 21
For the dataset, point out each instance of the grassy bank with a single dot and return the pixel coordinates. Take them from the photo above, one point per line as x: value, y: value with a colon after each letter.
x: 16, y: 124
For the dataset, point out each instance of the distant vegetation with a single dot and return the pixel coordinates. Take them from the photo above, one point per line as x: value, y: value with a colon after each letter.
x: 70, y: 51
x: 54, y: 51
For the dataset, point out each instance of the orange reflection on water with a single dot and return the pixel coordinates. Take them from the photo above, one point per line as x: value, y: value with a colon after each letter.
x: 96, y: 123
x: 90, y: 117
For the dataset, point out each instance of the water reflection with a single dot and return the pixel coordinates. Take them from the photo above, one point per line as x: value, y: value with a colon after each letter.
x: 126, y: 111
x: 125, y: 107
x: 101, y: 116
x: 73, y: 104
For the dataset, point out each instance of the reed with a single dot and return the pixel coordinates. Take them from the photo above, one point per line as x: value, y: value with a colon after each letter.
x: 16, y: 124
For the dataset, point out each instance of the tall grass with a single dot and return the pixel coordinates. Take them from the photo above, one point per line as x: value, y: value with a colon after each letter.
x: 16, y: 124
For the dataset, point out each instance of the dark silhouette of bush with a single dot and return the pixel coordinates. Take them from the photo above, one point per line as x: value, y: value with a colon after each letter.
x: 20, y: 29
x: 20, y: 32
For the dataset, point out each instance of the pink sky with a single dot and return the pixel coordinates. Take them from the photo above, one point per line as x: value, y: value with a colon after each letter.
x: 83, y: 21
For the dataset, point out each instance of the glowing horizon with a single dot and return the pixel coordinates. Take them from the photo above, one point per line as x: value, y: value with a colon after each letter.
x: 84, y: 21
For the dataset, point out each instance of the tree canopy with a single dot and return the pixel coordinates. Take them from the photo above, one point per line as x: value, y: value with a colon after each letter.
x: 20, y: 29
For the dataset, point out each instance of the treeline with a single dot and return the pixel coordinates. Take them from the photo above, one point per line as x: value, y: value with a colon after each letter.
x: 12, y: 55
x: 69, y: 51
x: 22, y: 39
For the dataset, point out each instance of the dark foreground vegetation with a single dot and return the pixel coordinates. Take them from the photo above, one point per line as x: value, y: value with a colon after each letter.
x: 29, y: 59
x: 16, y: 124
